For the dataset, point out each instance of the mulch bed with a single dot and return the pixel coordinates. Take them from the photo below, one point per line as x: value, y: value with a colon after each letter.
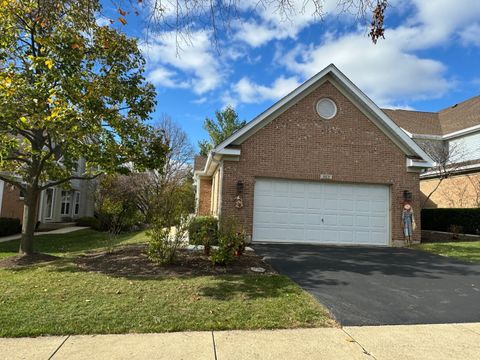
x: 25, y: 260
x: 132, y: 261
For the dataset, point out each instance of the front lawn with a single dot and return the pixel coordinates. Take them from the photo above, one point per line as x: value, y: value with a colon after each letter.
x: 465, y: 250
x: 60, y: 298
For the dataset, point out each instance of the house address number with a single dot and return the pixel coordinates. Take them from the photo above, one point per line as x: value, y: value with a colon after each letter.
x: 326, y: 176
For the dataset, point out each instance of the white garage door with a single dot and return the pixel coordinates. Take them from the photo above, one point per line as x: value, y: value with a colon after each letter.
x: 324, y: 213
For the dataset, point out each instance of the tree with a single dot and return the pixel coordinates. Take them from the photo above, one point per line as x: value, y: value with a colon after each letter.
x: 217, y: 15
x: 447, y: 157
x: 226, y: 122
x: 69, y: 88
x: 168, y: 192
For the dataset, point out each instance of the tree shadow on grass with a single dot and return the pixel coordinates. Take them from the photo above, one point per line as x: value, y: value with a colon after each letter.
x: 251, y: 287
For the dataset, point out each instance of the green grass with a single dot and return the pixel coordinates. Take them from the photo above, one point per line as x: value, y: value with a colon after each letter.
x: 59, y: 299
x: 467, y: 251
x: 72, y: 243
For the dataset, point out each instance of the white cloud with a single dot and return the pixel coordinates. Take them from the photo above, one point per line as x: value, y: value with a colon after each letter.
x: 195, y: 60
x: 383, y: 71
x: 471, y: 35
x: 165, y: 78
x: 275, y: 24
x: 201, y: 100
x: 247, y: 92
x: 392, y: 72
x: 102, y: 21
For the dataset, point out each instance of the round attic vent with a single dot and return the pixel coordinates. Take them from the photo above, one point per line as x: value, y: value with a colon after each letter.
x: 326, y: 108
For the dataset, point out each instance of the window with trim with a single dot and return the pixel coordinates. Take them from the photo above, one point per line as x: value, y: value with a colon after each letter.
x: 76, y: 203
x: 50, y: 195
x: 326, y: 108
x: 66, y: 201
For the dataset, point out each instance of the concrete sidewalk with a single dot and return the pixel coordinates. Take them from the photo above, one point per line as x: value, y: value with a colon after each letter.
x: 403, y: 342
x: 65, y: 230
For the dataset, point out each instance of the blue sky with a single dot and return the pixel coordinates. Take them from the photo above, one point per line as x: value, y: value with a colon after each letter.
x: 429, y: 60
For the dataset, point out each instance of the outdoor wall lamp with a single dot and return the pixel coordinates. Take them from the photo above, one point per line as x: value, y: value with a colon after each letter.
x: 407, y: 195
x: 239, y: 187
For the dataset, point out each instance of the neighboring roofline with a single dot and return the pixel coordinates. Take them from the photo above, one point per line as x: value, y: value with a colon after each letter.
x: 452, y: 135
x: 391, y: 126
x: 432, y: 174
x: 462, y: 132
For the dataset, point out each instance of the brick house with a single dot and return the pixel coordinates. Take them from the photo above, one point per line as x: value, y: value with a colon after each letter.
x: 56, y: 204
x: 322, y: 165
x: 456, y: 132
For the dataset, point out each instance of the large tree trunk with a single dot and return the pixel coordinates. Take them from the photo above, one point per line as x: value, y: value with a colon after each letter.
x: 29, y: 221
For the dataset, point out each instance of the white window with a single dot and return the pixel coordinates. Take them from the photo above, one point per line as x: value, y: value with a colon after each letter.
x: 326, y: 108
x: 66, y: 201
x: 50, y: 194
x: 76, y: 203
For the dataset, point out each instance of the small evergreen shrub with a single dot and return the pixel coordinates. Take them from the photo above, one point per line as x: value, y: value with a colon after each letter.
x: 203, y: 230
x: 10, y: 226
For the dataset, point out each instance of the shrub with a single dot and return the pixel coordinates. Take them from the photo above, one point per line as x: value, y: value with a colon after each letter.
x: 164, y: 243
x: 203, y: 230
x: 10, y: 226
x: 448, y: 219
x: 231, y: 242
x: 91, y: 221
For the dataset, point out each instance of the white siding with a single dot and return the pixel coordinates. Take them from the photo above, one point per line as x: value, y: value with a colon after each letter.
x: 465, y: 148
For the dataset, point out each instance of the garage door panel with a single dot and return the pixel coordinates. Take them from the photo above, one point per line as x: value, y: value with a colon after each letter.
x: 316, y: 212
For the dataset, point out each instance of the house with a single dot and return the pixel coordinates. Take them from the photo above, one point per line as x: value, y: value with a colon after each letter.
x: 322, y: 165
x: 56, y: 204
x: 453, y: 135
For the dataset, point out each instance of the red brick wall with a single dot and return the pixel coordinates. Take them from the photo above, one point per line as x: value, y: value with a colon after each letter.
x: 298, y: 144
x: 205, y: 196
x: 12, y: 206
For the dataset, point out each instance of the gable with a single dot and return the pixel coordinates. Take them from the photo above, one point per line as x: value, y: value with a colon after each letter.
x: 343, y: 84
x: 300, y: 138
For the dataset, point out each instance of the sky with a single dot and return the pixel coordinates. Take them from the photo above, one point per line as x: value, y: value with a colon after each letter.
x: 429, y: 59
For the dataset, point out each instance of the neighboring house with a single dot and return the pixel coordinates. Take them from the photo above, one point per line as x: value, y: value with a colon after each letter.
x: 452, y: 133
x: 322, y: 165
x: 56, y: 204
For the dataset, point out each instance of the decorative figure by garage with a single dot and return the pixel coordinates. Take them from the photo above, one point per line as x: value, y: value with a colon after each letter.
x: 238, y: 202
x: 408, y: 221
x: 238, y: 198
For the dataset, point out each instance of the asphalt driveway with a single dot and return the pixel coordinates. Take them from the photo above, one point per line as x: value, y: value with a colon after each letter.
x: 379, y: 285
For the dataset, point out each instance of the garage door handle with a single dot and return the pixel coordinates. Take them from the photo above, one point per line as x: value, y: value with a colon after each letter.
x: 322, y: 220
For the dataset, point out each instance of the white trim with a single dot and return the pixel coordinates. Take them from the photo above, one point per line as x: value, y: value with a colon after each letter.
x: 235, y: 152
x: 50, y: 216
x: 2, y: 186
x: 412, y: 148
x: 461, y: 132
x: 68, y: 196
x: 448, y: 136
x: 76, y: 202
x: 432, y: 174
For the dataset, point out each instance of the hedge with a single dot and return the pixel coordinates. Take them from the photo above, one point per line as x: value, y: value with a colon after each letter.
x: 10, y: 226
x: 203, y: 229
x: 465, y: 221
x: 91, y: 221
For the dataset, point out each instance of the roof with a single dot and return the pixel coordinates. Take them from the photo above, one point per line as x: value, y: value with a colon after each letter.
x: 452, y: 119
x: 460, y: 116
x: 199, y: 162
x: 416, y: 122
x: 335, y: 76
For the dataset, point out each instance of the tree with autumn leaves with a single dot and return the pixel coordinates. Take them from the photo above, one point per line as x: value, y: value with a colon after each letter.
x: 69, y: 89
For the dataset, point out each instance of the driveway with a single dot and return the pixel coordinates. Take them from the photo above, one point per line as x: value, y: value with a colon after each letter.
x: 380, y: 285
